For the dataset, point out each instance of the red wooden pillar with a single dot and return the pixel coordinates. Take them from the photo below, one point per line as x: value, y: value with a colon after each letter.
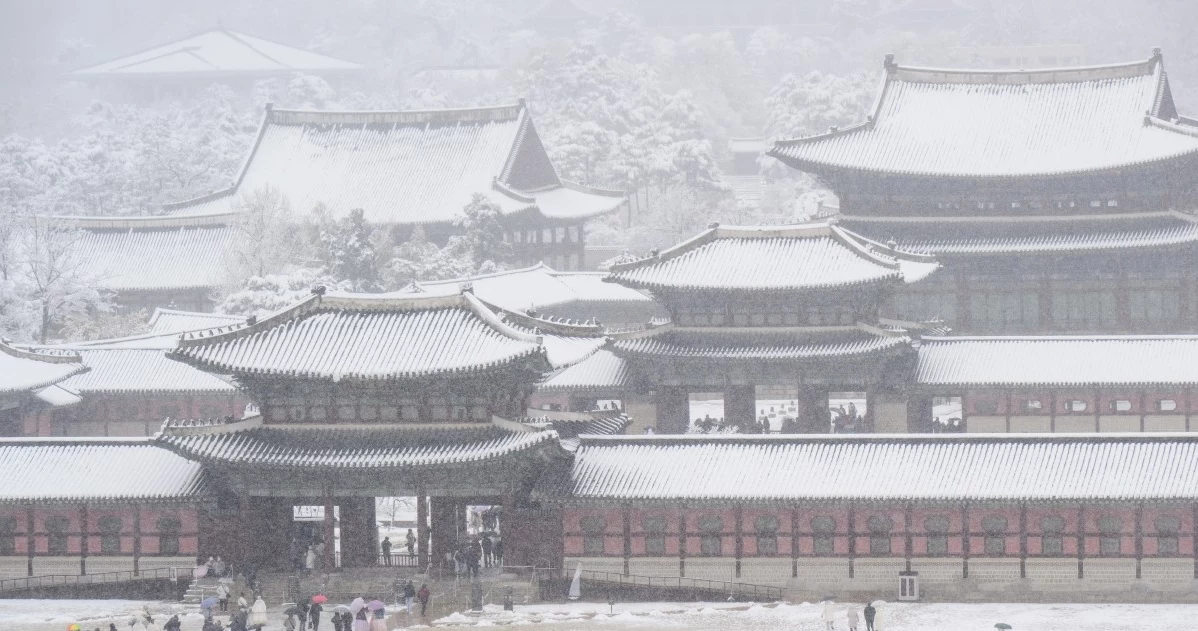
x: 422, y: 533
x: 137, y: 540
x: 83, y: 540
x: 627, y: 537
x: 330, y: 534
x: 31, y: 542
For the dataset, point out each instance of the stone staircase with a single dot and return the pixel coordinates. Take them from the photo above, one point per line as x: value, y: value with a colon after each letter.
x: 199, y: 589
x: 448, y: 593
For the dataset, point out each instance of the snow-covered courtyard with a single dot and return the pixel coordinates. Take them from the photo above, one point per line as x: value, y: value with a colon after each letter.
x: 47, y: 615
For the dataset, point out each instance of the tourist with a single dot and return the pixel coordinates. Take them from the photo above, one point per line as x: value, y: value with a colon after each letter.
x: 386, y: 547
x: 242, y: 604
x: 378, y: 622
x: 423, y: 595
x: 258, y: 613
x: 870, y: 615
x: 301, y: 612
x: 239, y: 621
x: 314, y: 616
x: 310, y: 560
x: 411, y: 540
x: 361, y: 622
x: 173, y: 624
x: 829, y: 615
x: 222, y: 595
x: 486, y: 544
x: 852, y: 617
x: 289, y: 623
x: 409, y: 594
x: 498, y: 550
x: 219, y: 567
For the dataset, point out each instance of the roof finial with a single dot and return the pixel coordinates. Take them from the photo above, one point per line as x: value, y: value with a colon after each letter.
x: 467, y: 288
x: 1156, y: 52
x: 713, y: 225
x: 889, y: 64
x: 319, y: 290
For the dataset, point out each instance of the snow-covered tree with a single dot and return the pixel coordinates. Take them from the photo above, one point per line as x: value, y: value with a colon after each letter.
x: 482, y: 235
x: 261, y: 295
x: 266, y: 239
x: 54, y: 277
x: 348, y: 248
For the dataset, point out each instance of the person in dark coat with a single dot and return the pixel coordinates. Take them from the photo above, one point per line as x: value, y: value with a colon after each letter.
x: 314, y: 616
x: 173, y: 624
x: 409, y: 596
x: 386, y: 550
x: 869, y: 612
x: 302, y: 614
x: 487, y: 544
x: 423, y: 596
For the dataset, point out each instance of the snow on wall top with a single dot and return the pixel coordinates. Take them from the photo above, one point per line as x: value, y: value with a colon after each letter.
x: 359, y: 336
x: 95, y: 470
x: 1061, y: 361
x: 406, y: 167
x: 218, y: 51
x: 809, y: 256
x: 884, y: 467
x: 22, y: 370
x: 1027, y: 235
x: 537, y: 287
x: 960, y: 123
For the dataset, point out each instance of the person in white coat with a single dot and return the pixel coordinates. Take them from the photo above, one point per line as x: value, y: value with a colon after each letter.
x: 258, y: 613
x: 829, y: 615
x: 852, y: 617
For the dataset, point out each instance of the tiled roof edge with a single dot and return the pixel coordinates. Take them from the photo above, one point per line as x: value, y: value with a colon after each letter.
x: 153, y: 222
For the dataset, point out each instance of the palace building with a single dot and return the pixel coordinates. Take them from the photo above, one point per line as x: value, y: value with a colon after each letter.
x: 1053, y: 462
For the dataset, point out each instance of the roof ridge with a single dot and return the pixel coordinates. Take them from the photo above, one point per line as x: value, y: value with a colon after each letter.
x: 143, y: 222
x: 1014, y: 437
x: 1093, y: 72
x: 480, y: 114
x: 1131, y: 337
x: 1010, y: 218
x: 49, y: 357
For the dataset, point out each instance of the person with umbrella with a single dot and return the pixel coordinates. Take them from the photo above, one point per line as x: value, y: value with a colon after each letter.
x: 207, y: 604
x: 342, y: 618
x: 315, y: 610
x: 378, y: 620
x: 357, y: 609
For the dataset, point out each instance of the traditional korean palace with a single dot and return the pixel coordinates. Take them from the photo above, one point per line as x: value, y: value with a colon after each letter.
x: 1054, y: 462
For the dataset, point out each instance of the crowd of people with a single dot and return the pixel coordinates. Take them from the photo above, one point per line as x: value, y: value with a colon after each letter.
x: 871, y: 614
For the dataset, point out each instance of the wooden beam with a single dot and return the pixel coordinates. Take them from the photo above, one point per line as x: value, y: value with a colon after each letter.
x: 137, y: 539
x: 422, y: 528
x: 83, y: 543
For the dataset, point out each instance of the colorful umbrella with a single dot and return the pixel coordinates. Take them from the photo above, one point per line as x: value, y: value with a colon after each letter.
x: 74, y: 627
x: 208, y: 603
x: 320, y: 599
x: 341, y: 609
x: 357, y: 605
x: 375, y: 605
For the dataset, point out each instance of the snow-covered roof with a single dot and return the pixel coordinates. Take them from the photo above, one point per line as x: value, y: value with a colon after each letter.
x: 755, y: 344
x: 146, y: 370
x: 989, y: 123
x: 22, y: 370
x: 763, y: 258
x: 946, y: 236
x: 41, y: 470
x: 602, y: 370
x: 564, y: 343
x: 351, y: 446
x: 155, y: 253
x: 884, y: 468
x: 538, y: 287
x: 217, y: 52
x: 359, y: 336
x: 1124, y: 360
x: 570, y: 425
x: 166, y: 321
x: 409, y: 167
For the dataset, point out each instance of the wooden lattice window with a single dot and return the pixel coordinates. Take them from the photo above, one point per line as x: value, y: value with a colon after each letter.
x: 937, y: 527
x: 1110, y: 535
x: 995, y: 529
x: 1052, y: 540
x: 594, y: 530
x: 8, y: 536
x: 823, y: 528
x: 110, y: 535
x: 767, y: 535
x: 56, y: 535
x: 168, y: 536
x: 655, y: 535
x: 1168, y: 528
x: 879, y: 534
x: 710, y: 540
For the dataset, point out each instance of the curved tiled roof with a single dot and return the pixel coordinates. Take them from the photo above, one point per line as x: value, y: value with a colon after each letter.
x: 759, y: 344
x: 129, y: 370
x: 22, y: 370
x: 81, y: 470
x: 358, y: 336
x: 601, y: 370
x: 167, y: 321
x: 807, y: 256
x: 1131, y: 360
x: 353, y: 447
x: 959, y: 123
x: 884, y: 468
x: 945, y: 236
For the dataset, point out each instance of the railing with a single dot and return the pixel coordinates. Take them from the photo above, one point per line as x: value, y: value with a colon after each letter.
x: 734, y: 591
x: 121, y: 576
x: 399, y: 560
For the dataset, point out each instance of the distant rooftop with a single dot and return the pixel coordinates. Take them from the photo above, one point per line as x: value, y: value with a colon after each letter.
x: 217, y: 52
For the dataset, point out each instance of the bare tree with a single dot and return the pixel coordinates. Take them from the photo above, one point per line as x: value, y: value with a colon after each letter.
x: 267, y: 237
x: 55, y: 276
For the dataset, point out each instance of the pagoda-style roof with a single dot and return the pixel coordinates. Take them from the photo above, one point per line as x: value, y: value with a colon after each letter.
x: 987, y: 123
x: 759, y: 344
x: 95, y: 470
x: 965, y: 236
x: 250, y: 444
x: 565, y: 343
x: 154, y: 253
x: 120, y: 369
x: 167, y: 321
x: 1068, y: 361
x: 219, y: 52
x: 816, y: 255
x: 365, y: 337
x: 26, y: 371
x: 540, y: 288
x: 603, y: 370
x: 406, y: 167
x: 897, y: 468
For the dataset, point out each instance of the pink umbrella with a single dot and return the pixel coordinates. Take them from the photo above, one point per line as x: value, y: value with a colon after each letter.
x: 357, y: 605
x: 375, y: 605
x: 320, y: 599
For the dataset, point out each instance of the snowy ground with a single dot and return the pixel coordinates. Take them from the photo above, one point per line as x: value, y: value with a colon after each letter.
x: 47, y: 615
